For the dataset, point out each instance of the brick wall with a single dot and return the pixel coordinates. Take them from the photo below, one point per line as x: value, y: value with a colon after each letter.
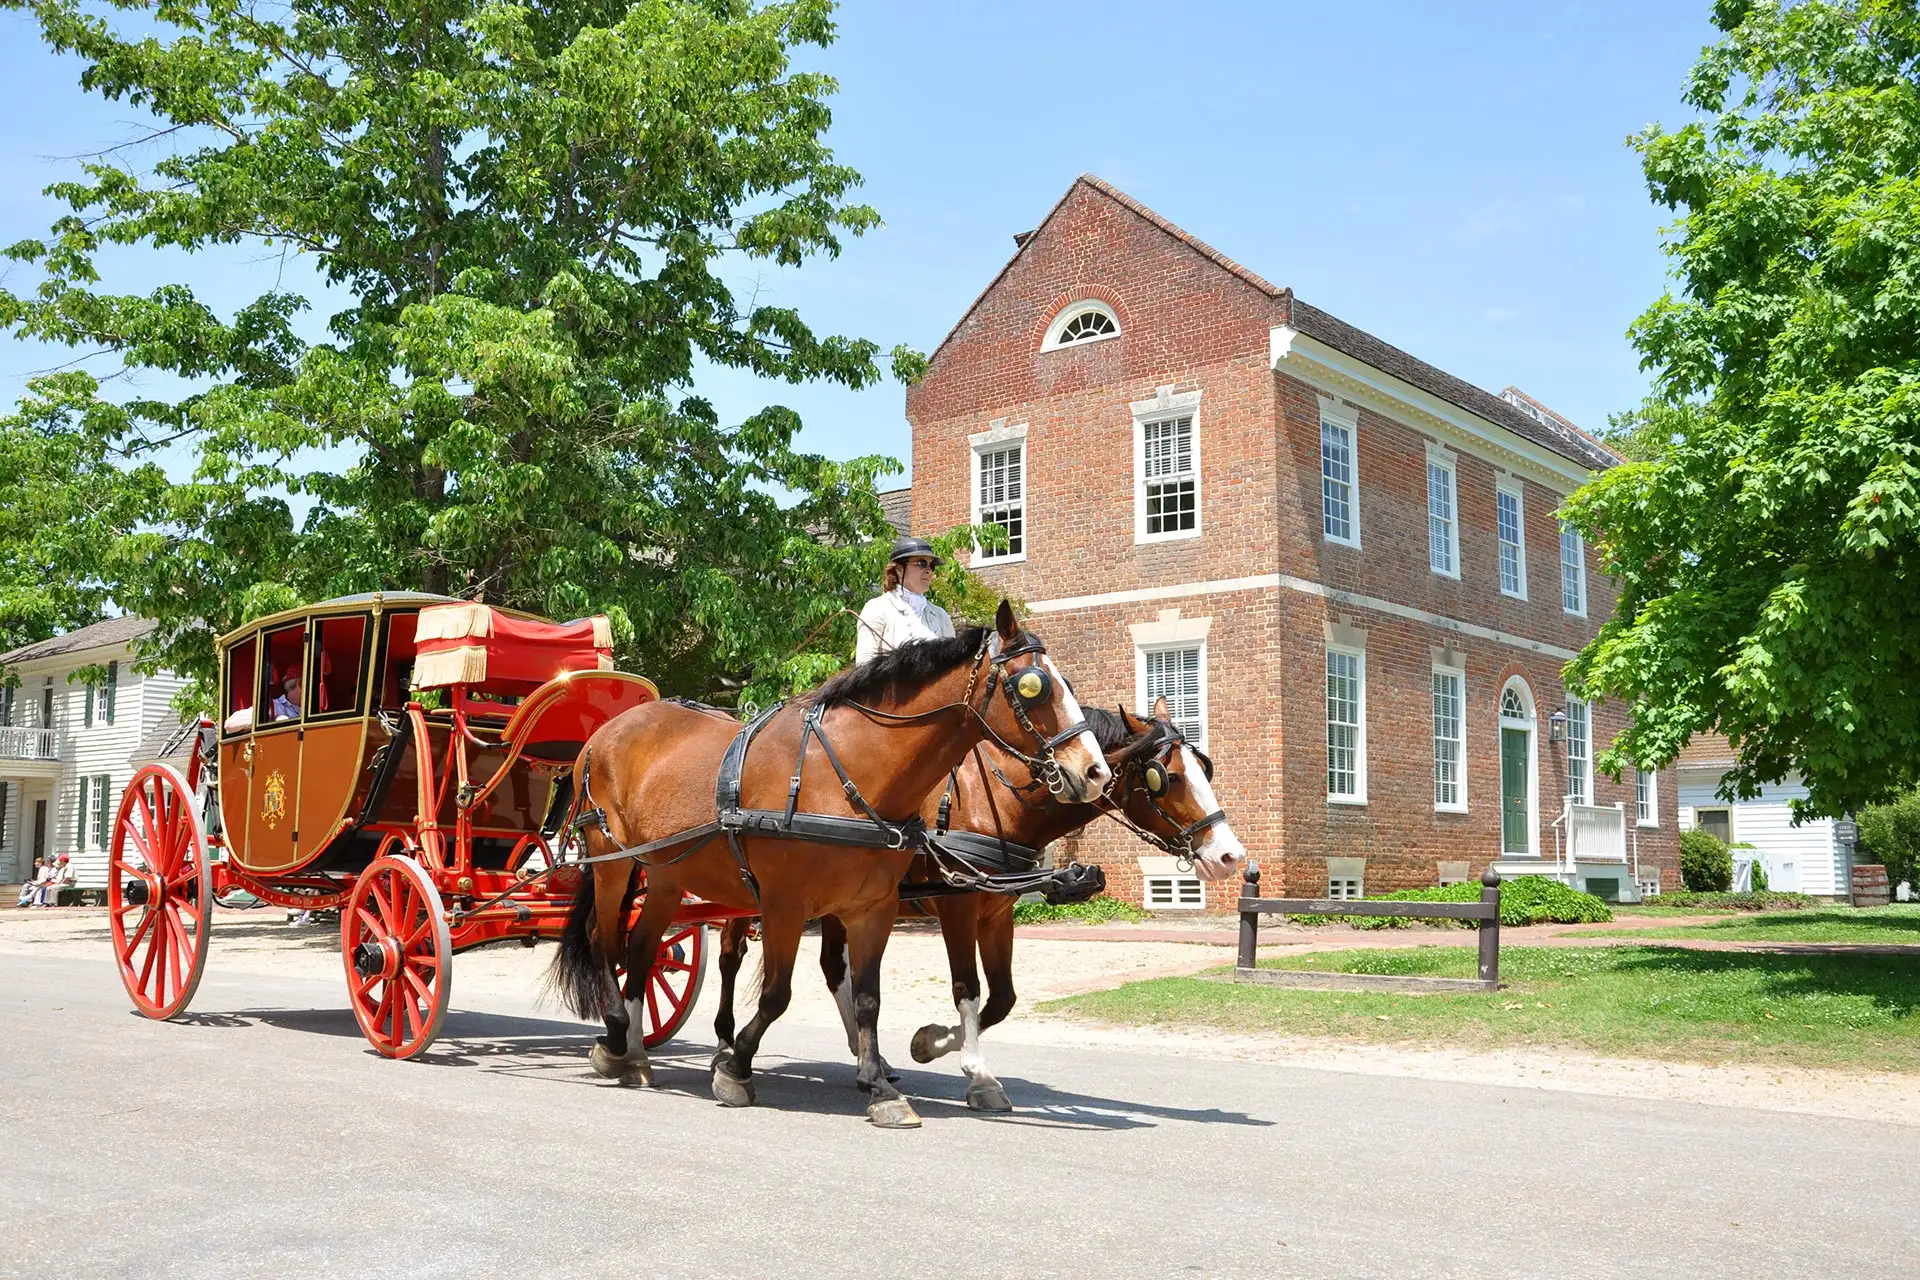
x: 1189, y: 323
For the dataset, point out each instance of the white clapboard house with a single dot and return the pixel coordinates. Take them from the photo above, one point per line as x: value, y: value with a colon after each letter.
x: 75, y: 721
x: 1807, y: 858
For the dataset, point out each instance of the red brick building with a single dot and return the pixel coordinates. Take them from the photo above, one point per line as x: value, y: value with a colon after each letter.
x: 1340, y: 563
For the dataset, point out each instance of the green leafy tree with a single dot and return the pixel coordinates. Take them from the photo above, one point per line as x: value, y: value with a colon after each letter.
x: 1766, y: 556
x: 530, y: 213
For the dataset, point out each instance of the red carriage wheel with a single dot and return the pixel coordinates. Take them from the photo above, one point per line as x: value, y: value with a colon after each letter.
x: 159, y: 892
x: 679, y: 971
x: 399, y: 956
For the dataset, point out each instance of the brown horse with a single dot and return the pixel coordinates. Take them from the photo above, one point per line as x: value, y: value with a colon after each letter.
x: 1162, y: 789
x: 878, y: 738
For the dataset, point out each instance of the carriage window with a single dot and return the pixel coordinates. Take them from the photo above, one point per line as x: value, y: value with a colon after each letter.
x: 339, y: 644
x: 237, y: 715
x: 282, y: 673
x: 396, y: 672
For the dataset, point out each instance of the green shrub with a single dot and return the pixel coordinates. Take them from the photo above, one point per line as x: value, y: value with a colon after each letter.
x: 1096, y: 910
x: 1706, y: 866
x: 1890, y: 835
x: 1768, y: 901
x: 1523, y: 900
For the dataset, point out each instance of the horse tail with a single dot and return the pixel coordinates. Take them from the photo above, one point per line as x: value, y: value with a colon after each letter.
x: 581, y: 980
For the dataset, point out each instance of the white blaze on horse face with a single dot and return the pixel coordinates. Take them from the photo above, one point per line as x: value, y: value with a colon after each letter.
x: 1219, y: 851
x: 1098, y: 774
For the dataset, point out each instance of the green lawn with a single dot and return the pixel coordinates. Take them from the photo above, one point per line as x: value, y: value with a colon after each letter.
x: 1899, y: 923
x: 1651, y: 1002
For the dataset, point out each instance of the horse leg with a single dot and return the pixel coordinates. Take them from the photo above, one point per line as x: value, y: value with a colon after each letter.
x: 994, y: 926
x: 866, y: 947
x: 733, y: 953
x: 610, y: 882
x: 958, y: 917
x: 631, y: 1066
x: 839, y: 975
x: 780, y: 930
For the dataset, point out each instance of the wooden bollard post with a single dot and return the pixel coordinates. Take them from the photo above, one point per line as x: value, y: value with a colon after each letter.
x: 1249, y: 920
x: 1490, y: 928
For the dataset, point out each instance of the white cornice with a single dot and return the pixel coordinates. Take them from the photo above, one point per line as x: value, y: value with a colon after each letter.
x: 1320, y: 366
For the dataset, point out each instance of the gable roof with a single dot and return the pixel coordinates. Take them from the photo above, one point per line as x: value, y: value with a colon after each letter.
x: 100, y: 635
x: 1706, y: 751
x: 1558, y: 435
x: 897, y: 506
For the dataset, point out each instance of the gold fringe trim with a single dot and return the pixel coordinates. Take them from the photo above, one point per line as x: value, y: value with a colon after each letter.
x: 454, y: 666
x: 454, y: 622
x: 602, y: 632
x: 606, y: 662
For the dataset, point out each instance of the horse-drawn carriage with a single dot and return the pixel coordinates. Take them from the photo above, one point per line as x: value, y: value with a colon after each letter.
x: 404, y: 758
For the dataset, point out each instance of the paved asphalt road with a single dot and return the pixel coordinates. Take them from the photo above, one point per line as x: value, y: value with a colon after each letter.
x: 263, y: 1137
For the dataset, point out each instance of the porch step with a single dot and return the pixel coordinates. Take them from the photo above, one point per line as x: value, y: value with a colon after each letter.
x: 1607, y: 879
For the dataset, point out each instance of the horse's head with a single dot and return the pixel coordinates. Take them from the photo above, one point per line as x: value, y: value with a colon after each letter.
x: 1166, y: 789
x: 1030, y: 708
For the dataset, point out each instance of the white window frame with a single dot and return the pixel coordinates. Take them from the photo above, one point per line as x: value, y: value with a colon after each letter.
x: 1346, y: 879
x: 1459, y: 676
x: 1649, y: 783
x: 1442, y: 460
x: 1165, y: 405
x: 998, y: 438
x: 1517, y: 491
x: 1577, y: 568
x: 1071, y: 312
x: 1584, y: 774
x: 1144, y: 700
x: 1180, y: 890
x: 1359, y: 794
x: 1340, y: 417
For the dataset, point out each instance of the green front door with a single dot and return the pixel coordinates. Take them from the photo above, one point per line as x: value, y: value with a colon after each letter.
x: 1515, y: 816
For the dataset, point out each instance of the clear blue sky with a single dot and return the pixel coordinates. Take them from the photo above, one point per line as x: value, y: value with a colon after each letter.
x: 1451, y: 178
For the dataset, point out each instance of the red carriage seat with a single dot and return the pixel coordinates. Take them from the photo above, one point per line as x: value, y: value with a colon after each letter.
x: 479, y: 646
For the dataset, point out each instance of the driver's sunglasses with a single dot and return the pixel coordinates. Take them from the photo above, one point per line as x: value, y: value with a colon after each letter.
x: 921, y: 563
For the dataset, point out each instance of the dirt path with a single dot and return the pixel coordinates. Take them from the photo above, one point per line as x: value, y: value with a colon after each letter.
x: 1067, y: 960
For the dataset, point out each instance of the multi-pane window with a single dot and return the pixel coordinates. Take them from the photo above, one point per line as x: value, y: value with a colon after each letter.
x: 1086, y: 327
x: 102, y: 788
x: 1175, y: 674
x: 1449, y: 750
x: 1346, y: 762
x: 1167, y: 471
x: 1646, y: 799
x: 1442, y: 535
x: 1344, y: 888
x: 1573, y: 570
x: 1175, y: 892
x: 1513, y: 545
x: 1003, y: 497
x: 1579, y: 752
x: 1336, y: 479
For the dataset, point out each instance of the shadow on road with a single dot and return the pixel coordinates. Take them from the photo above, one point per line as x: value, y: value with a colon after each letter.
x: 556, y: 1050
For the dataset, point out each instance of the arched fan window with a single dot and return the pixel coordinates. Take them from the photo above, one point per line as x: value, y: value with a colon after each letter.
x: 1511, y: 707
x: 1082, y: 322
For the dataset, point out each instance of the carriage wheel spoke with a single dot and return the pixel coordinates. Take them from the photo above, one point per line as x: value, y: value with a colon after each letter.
x: 177, y: 950
x: 156, y: 943
x: 653, y: 1004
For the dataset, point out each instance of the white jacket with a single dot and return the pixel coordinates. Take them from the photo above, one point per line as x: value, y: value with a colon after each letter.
x: 888, y: 621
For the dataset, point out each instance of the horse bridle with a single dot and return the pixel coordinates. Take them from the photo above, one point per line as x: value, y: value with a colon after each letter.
x: 1155, y: 780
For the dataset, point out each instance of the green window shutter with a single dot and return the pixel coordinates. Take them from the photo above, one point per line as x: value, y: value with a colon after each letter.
x: 102, y: 785
x: 113, y: 685
x: 86, y: 703
x: 80, y: 817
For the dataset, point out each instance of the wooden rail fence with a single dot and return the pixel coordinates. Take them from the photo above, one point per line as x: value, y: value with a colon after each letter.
x: 1485, y: 912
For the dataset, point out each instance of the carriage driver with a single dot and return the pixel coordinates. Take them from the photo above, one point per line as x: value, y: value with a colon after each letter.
x: 902, y: 612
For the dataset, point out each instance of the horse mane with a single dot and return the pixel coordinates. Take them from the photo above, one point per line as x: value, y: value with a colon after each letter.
x: 1109, y: 728
x: 910, y: 666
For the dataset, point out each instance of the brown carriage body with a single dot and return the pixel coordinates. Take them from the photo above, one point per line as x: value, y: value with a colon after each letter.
x: 432, y: 820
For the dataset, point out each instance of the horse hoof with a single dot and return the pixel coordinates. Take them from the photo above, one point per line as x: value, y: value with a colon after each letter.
x: 892, y: 1113
x: 988, y: 1096
x: 924, y: 1039
x: 622, y: 1069
x: 729, y: 1092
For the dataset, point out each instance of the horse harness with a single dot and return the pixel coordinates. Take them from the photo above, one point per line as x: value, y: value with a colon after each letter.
x: 1022, y: 689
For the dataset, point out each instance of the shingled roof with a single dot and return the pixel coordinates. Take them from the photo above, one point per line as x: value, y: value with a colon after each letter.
x: 897, y: 504
x: 1556, y: 435
x: 102, y: 634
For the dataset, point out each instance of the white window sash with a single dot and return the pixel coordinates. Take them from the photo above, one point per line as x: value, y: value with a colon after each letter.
x: 1573, y: 571
x: 1443, y: 525
x: 1359, y: 726
x: 1458, y: 677
x: 1579, y: 751
x: 1647, y: 786
x: 985, y: 445
x: 1342, y: 454
x: 1165, y: 407
x: 1518, y: 544
x: 1147, y: 690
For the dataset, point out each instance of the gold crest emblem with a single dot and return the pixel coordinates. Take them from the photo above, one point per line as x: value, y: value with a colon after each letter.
x: 276, y: 805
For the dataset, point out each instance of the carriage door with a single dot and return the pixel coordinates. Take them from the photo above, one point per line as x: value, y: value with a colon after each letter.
x: 273, y: 787
x: 335, y: 726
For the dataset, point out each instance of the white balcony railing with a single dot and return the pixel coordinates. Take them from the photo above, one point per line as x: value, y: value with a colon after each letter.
x: 19, y: 742
x: 1597, y: 833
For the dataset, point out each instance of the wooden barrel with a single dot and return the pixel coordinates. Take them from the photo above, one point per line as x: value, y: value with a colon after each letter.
x: 1870, y: 885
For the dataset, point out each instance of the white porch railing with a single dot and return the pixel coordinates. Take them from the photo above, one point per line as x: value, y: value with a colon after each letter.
x: 18, y: 742
x: 1597, y: 833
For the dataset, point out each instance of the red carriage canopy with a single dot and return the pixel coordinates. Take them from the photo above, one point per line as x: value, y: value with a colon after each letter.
x: 478, y: 644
